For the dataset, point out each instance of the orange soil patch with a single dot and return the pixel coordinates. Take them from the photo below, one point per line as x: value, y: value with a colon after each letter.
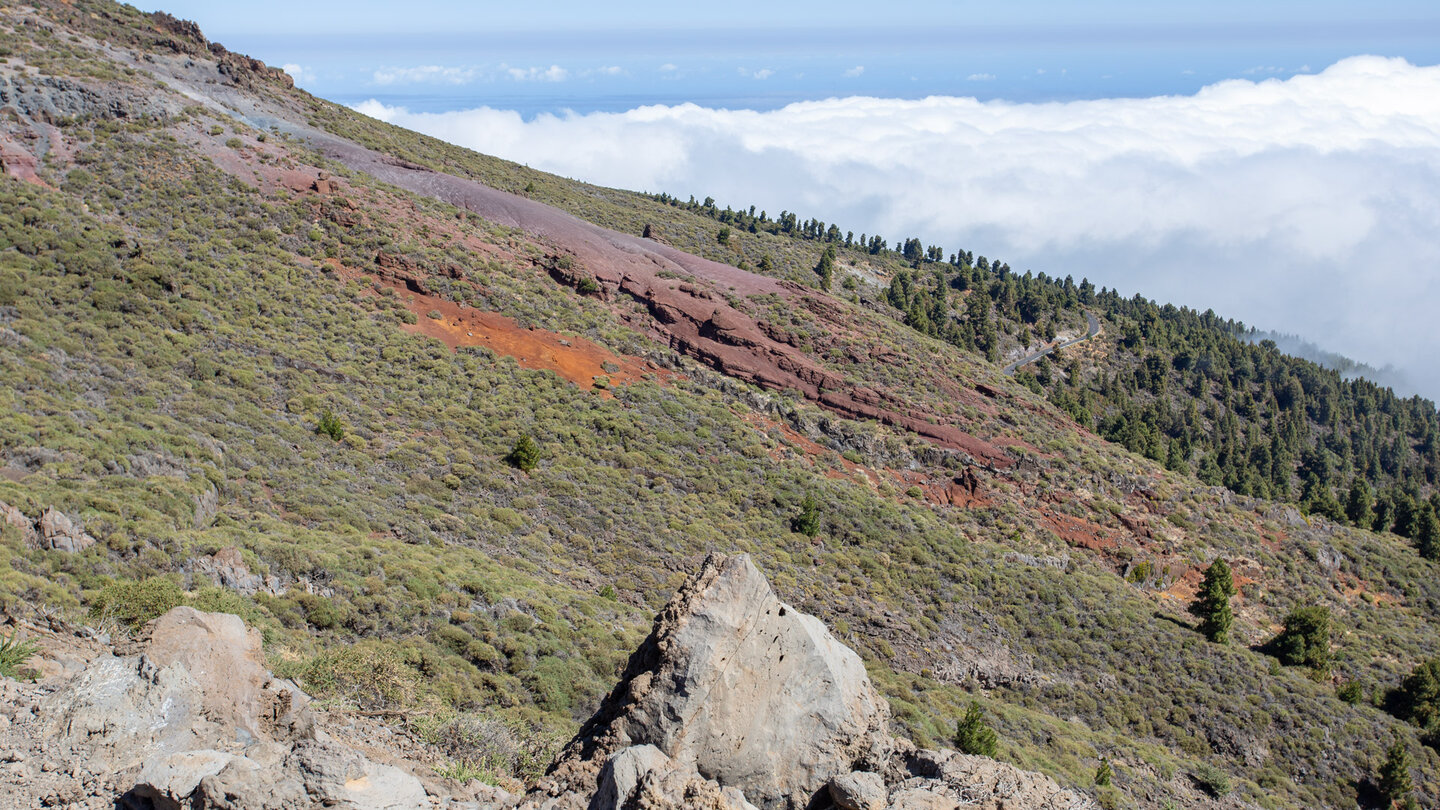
x: 574, y: 358
x: 801, y: 441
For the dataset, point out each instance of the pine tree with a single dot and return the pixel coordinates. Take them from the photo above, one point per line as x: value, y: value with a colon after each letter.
x: 1212, y: 604
x: 1305, y: 639
x: 808, y: 521
x: 973, y: 735
x: 525, y: 455
x: 1358, y: 506
x: 1427, y: 533
x: 1103, y: 774
x: 1395, y: 785
x: 826, y: 268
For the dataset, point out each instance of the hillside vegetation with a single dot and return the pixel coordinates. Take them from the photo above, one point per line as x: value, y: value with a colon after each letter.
x: 460, y: 470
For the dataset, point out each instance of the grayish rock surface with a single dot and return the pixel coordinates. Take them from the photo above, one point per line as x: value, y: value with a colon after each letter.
x: 11, y: 516
x: 861, y: 790
x: 187, y: 716
x: 742, y: 688
x: 227, y: 569
x: 623, y: 773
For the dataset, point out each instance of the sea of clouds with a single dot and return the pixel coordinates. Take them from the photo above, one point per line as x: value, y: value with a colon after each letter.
x: 1309, y: 205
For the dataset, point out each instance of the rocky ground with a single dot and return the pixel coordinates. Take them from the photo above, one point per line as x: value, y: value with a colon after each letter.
x: 736, y: 701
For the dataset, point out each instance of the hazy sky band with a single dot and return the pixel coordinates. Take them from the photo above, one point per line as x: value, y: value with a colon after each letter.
x: 781, y: 40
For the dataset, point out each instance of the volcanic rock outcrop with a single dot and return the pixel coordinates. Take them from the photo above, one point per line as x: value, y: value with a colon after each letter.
x: 53, y: 530
x: 737, y: 700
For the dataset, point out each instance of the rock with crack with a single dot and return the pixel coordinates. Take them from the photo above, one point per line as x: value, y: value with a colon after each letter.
x: 737, y: 700
x: 741, y: 688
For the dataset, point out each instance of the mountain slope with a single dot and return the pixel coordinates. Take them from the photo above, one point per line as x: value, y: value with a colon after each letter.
x: 200, y: 266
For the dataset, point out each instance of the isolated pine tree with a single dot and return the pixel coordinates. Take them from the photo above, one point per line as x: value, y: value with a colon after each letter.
x: 1305, y: 639
x: 1395, y: 786
x: 808, y: 521
x: 973, y: 735
x: 1103, y: 774
x: 525, y: 455
x: 1212, y: 604
x: 826, y: 268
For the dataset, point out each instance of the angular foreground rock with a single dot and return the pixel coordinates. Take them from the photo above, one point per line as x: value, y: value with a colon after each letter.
x: 738, y: 700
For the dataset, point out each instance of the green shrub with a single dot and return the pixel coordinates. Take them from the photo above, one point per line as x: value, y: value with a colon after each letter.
x: 808, y: 521
x: 13, y: 652
x: 133, y: 604
x: 330, y: 425
x: 1103, y: 774
x: 1211, y: 779
x: 1349, y: 692
x: 370, y: 677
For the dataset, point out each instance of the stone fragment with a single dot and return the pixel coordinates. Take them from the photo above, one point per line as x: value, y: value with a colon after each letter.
x: 860, y: 790
x: 623, y: 772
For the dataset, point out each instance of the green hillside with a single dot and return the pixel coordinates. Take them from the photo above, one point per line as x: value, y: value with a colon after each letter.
x: 202, y: 353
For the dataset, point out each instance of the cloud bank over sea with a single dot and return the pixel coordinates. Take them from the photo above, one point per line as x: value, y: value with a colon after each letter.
x: 1309, y: 205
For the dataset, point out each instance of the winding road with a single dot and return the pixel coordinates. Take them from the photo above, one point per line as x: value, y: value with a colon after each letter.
x: 1030, y: 358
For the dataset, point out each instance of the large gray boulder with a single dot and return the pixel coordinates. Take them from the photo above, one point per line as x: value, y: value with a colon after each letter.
x: 742, y: 689
x: 861, y: 790
x: 187, y: 716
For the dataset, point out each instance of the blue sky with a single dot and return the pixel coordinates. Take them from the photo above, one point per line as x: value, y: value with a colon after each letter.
x: 585, y: 56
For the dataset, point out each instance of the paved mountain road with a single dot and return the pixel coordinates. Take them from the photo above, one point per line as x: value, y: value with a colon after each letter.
x: 1028, y: 359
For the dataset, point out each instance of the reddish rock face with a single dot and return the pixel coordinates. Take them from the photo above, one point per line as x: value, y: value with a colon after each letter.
x: 692, y: 312
x: 402, y: 270
x: 20, y: 164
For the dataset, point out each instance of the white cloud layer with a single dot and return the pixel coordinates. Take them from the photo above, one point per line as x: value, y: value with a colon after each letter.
x: 1309, y: 205
x: 425, y: 74
x: 554, y: 73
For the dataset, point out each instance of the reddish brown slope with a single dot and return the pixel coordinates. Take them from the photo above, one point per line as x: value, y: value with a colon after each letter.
x: 695, y: 318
